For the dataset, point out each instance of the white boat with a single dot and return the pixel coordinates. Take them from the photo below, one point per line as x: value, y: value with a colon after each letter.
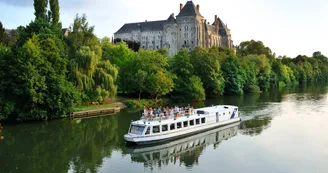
x: 152, y: 130
x: 167, y: 151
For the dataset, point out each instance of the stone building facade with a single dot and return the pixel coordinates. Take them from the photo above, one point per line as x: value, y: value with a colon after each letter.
x: 187, y: 30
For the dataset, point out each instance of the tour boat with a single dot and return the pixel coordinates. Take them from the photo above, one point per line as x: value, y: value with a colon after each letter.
x: 158, y: 129
x: 166, y: 151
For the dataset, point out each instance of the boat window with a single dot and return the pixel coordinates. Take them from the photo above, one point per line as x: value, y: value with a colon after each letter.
x: 185, y: 124
x: 155, y: 129
x: 148, y: 131
x: 191, y: 122
x: 179, y: 125
x: 200, y: 112
x: 172, y: 126
x: 164, y: 128
x: 137, y: 129
x: 197, y: 121
x: 203, y: 120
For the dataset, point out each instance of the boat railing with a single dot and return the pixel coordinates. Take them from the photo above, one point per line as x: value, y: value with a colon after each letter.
x: 166, y: 116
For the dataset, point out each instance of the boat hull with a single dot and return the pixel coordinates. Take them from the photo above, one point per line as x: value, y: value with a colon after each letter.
x: 131, y: 140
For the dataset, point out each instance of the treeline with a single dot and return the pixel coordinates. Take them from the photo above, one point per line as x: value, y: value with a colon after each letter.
x: 213, y: 72
x: 43, y: 74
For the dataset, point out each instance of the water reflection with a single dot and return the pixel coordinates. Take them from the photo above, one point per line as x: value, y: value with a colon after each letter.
x: 59, y: 145
x: 255, y: 126
x: 97, y: 144
x: 186, y: 150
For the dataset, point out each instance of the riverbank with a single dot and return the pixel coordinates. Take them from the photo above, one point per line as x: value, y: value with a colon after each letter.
x: 96, y: 110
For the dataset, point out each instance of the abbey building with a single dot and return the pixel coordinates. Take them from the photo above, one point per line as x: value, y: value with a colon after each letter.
x: 188, y: 30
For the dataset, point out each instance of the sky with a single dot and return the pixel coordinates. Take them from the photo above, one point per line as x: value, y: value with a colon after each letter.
x: 288, y: 27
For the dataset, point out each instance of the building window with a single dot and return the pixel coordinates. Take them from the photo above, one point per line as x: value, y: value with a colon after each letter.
x: 185, y: 42
x: 157, y: 47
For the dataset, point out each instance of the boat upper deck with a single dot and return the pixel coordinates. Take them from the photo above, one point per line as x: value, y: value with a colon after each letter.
x: 182, y: 115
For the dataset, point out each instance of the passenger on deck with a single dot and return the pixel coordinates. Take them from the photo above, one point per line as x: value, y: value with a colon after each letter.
x: 145, y: 112
x: 151, y: 112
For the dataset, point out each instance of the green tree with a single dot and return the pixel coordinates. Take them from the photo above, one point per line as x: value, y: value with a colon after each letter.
x: 146, y: 72
x: 36, y: 85
x: 3, y: 35
x: 13, y: 37
x: 118, y: 53
x: 40, y: 7
x: 54, y: 7
x: 92, y: 74
x: 254, y: 47
x: 233, y: 75
x: 186, y: 84
x: 207, y: 67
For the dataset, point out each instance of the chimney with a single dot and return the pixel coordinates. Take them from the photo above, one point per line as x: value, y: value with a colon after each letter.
x: 181, y: 6
x: 172, y: 14
x: 198, y: 8
x: 216, y: 23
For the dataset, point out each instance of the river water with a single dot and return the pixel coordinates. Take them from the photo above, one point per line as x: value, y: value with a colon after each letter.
x: 282, y: 131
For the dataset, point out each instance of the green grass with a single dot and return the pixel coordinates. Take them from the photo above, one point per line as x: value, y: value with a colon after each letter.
x: 93, y: 107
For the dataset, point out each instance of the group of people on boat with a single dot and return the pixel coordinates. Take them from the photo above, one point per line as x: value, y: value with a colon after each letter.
x: 167, y: 112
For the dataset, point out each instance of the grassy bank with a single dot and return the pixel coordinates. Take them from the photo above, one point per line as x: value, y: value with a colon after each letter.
x: 93, y: 107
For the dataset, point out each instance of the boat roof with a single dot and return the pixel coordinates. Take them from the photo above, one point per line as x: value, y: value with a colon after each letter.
x: 207, y: 110
x: 217, y: 108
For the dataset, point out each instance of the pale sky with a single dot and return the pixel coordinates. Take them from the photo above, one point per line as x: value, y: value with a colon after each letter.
x: 288, y: 27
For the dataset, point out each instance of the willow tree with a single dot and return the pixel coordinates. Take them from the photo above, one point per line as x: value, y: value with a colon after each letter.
x: 92, y: 75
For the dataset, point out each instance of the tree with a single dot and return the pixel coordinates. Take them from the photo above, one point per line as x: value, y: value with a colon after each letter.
x: 54, y: 7
x: 233, y: 75
x: 117, y: 54
x: 254, y: 47
x: 92, y: 74
x: 40, y: 7
x: 186, y: 84
x: 13, y: 37
x: 146, y: 72
x: 3, y: 35
x: 207, y: 68
x: 35, y: 85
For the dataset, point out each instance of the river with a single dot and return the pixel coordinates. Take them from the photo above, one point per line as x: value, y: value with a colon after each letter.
x: 282, y: 131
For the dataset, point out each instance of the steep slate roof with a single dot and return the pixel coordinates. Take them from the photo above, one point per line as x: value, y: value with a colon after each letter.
x: 189, y: 10
x: 146, y: 26
x: 223, y: 29
x: 171, y: 18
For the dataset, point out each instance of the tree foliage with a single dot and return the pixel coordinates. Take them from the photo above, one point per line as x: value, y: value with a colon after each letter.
x: 40, y: 7
x: 93, y: 75
x: 146, y: 72
x: 54, y: 7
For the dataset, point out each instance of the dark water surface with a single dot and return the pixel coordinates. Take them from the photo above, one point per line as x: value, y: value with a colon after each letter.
x: 281, y: 131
